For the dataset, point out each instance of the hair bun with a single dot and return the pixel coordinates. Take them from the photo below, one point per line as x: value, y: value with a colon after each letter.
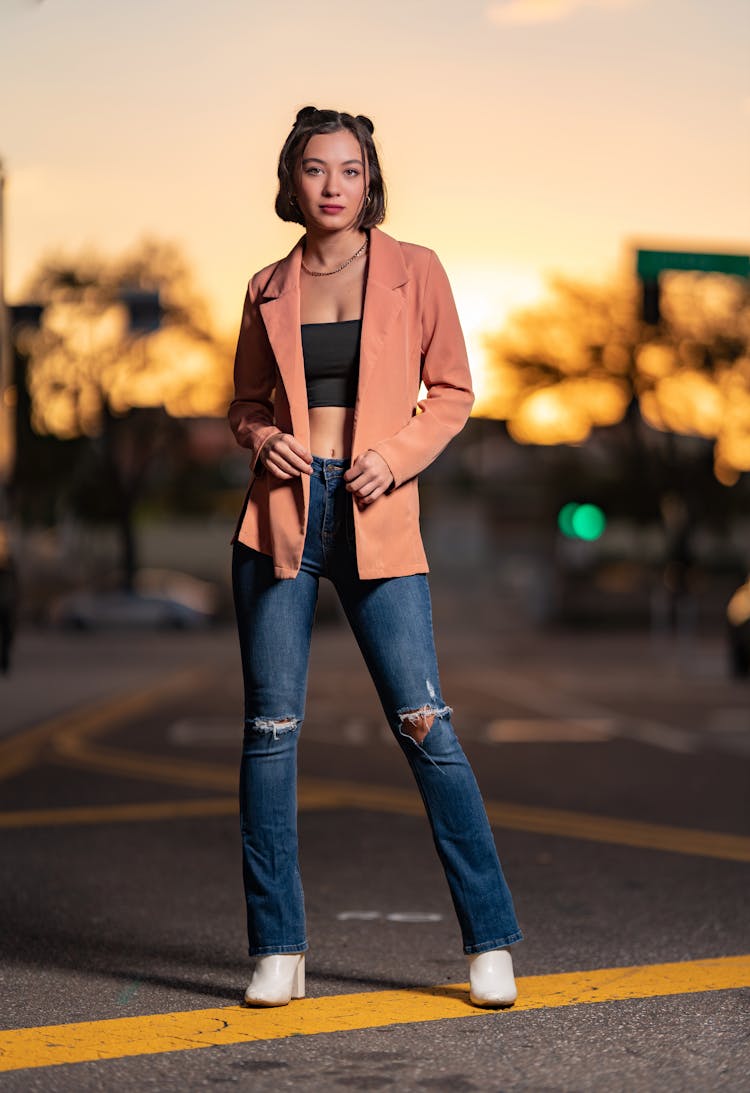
x: 305, y: 112
x: 366, y: 122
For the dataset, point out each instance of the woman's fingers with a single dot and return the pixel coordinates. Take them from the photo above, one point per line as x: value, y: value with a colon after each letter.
x: 290, y: 463
x: 277, y: 472
x: 368, y: 477
x: 366, y: 486
x: 285, y: 457
x: 367, y: 496
x: 300, y: 452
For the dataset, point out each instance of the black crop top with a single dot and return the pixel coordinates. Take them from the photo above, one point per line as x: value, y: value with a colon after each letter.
x: 331, y: 355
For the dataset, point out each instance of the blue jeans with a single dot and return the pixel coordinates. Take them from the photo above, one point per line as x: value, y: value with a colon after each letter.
x: 392, y: 623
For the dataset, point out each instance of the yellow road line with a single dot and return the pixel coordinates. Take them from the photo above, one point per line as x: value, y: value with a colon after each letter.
x: 309, y: 798
x: 128, y: 813
x: 156, y: 768
x: 186, y: 1031
x: 318, y: 793
x: 548, y: 821
x: 606, y: 829
x: 68, y: 738
x: 22, y: 750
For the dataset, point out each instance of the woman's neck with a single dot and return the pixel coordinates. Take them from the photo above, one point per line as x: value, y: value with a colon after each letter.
x: 323, y: 250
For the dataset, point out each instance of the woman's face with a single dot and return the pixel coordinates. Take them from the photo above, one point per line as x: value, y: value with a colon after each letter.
x: 331, y: 181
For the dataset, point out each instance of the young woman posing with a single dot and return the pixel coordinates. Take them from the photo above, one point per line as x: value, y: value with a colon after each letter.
x: 334, y: 342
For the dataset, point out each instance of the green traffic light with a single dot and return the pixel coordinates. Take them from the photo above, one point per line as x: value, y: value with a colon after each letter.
x: 578, y: 521
x: 565, y: 519
x: 588, y: 522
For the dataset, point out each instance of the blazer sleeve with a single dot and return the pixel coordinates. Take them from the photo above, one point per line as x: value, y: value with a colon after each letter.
x: 250, y: 413
x: 447, y: 378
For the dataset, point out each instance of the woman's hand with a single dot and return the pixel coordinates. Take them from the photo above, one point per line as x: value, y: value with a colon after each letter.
x: 285, y: 457
x: 368, y: 477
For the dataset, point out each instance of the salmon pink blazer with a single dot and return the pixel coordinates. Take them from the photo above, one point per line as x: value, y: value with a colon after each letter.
x: 410, y: 333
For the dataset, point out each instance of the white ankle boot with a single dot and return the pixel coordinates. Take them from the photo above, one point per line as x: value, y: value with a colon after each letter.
x: 491, y: 981
x: 277, y: 979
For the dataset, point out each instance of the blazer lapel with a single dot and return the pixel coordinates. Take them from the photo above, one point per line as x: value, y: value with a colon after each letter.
x: 280, y: 309
x: 383, y: 304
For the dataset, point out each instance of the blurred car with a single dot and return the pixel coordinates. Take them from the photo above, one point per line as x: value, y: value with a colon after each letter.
x: 160, y: 599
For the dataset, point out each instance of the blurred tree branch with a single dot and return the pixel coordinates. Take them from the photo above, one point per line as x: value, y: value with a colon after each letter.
x: 584, y: 361
x: 92, y: 373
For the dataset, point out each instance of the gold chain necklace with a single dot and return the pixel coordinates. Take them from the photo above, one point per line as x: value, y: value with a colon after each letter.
x: 328, y: 272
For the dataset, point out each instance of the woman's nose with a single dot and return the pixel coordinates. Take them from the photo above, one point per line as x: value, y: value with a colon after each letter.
x: 331, y: 188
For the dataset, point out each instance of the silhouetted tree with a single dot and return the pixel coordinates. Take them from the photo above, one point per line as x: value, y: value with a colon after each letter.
x: 124, y: 352
x: 669, y: 406
x: 583, y: 363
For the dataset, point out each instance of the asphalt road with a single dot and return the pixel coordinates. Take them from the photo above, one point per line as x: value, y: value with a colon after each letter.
x: 615, y: 771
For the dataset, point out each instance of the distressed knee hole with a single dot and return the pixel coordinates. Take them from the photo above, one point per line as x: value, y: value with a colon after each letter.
x: 417, y: 723
x: 277, y: 726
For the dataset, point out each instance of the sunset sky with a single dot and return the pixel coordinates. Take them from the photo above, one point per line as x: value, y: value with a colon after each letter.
x: 517, y: 138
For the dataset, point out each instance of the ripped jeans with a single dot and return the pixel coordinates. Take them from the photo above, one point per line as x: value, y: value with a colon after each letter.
x: 392, y: 622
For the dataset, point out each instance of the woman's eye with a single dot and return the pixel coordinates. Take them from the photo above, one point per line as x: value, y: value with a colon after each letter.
x: 313, y: 170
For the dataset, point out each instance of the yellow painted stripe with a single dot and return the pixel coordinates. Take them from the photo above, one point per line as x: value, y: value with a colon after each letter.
x: 22, y: 750
x: 70, y: 740
x: 156, y: 768
x: 186, y: 1031
x: 154, y: 810
x: 543, y: 821
x: 128, y: 813
x: 608, y: 829
x: 322, y: 794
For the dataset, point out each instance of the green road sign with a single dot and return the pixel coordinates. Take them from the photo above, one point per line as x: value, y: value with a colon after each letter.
x: 653, y: 262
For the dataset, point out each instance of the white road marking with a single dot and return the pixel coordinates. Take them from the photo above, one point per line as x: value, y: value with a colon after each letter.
x: 392, y: 916
x: 506, y: 730
x: 562, y: 717
x: 205, y: 730
x: 557, y: 704
x: 730, y: 719
x: 414, y: 916
x: 356, y: 731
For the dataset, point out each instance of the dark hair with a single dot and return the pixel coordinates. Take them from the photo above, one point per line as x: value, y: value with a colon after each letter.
x: 310, y: 121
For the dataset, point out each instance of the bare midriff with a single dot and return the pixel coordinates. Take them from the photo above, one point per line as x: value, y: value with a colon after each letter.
x: 331, y: 431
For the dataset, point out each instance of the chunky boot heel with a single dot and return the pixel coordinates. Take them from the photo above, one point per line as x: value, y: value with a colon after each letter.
x: 491, y: 981
x: 277, y: 979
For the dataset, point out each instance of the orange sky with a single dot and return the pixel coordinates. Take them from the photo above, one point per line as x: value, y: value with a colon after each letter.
x: 517, y: 137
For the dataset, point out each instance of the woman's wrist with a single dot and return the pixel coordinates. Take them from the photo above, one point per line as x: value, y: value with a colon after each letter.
x: 259, y: 462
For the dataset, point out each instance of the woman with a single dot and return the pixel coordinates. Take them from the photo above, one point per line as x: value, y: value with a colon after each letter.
x: 341, y: 332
